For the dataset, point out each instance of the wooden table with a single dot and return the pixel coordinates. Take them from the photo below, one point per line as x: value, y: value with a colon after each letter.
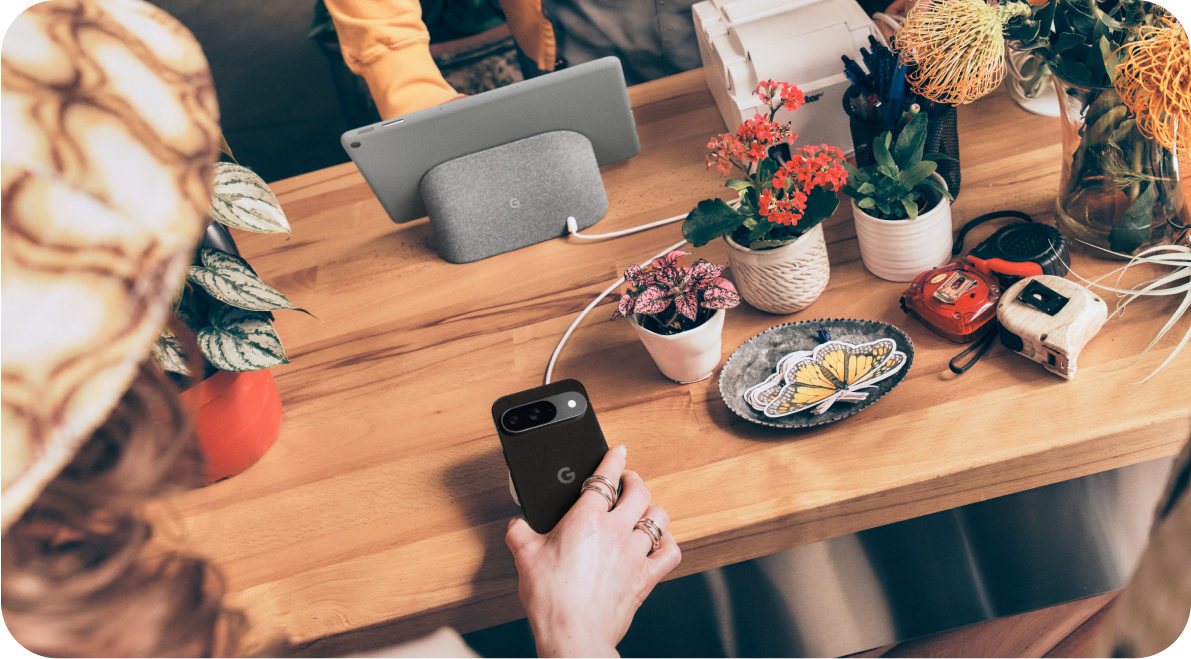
x: 380, y: 512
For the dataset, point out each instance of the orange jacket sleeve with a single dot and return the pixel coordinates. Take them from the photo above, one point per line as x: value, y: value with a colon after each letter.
x: 386, y: 43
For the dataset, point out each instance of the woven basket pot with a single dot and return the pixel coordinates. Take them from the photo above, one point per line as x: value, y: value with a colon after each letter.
x: 782, y: 280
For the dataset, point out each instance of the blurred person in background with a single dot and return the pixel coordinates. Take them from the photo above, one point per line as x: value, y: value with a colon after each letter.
x: 110, y: 135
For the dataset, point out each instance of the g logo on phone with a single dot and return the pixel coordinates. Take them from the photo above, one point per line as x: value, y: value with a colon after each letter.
x: 566, y: 476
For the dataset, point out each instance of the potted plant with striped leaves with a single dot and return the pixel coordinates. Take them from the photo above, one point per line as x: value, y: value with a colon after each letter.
x: 229, y: 309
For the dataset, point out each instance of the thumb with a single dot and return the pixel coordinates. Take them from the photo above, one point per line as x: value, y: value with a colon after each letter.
x: 519, y: 535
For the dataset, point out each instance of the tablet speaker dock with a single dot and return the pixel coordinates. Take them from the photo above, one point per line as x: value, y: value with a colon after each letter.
x: 514, y: 195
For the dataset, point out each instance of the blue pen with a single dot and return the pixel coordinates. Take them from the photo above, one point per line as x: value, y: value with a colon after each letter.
x: 856, y: 75
x: 897, y: 89
x: 870, y: 61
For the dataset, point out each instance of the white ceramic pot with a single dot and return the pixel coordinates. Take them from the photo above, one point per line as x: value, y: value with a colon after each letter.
x: 898, y: 250
x: 782, y: 280
x: 1034, y: 92
x: 688, y: 356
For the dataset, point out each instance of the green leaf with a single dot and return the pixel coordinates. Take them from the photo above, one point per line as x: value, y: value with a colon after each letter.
x: 820, y: 204
x: 759, y: 233
x: 1133, y: 228
x: 911, y: 207
x: 934, y: 183
x: 881, y: 152
x: 867, y: 203
x: 913, y: 176
x: 889, y: 171
x: 766, y: 169
x: 168, y: 355
x: 1111, y: 59
x: 1122, y: 131
x: 738, y: 184
x: 767, y: 244
x: 1072, y: 70
x: 242, y: 200
x: 855, y: 176
x: 1096, y: 67
x: 239, y: 340
x: 1067, y: 41
x: 711, y: 219
x: 866, y: 188
x: 907, y: 152
x: 231, y: 280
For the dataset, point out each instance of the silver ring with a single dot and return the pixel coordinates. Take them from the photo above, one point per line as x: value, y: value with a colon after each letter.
x: 651, y: 529
x: 604, y: 479
x: 593, y: 488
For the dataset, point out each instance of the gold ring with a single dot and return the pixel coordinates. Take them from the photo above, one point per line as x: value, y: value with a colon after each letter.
x: 593, y: 488
x: 604, y: 479
x: 651, y: 529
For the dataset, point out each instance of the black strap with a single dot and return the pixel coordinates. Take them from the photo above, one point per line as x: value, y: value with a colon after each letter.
x: 963, y: 233
x: 983, y: 343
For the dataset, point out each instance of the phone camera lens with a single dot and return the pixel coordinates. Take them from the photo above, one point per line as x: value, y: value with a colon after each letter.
x: 529, y: 416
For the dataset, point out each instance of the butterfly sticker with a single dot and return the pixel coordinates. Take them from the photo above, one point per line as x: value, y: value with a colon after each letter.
x: 834, y: 371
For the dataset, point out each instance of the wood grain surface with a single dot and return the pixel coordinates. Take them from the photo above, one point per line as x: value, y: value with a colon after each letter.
x: 380, y: 512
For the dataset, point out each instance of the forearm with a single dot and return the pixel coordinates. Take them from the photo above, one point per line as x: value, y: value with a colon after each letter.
x: 386, y: 43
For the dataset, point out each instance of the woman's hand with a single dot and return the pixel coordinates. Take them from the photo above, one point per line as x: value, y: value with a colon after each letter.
x: 581, y: 583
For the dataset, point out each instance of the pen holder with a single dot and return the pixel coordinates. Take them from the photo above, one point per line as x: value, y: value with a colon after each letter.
x: 942, y: 136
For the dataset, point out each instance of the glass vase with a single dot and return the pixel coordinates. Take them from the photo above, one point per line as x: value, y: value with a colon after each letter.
x: 1118, y: 188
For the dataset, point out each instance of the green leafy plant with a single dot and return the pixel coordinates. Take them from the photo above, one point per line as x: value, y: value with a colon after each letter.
x: 224, y: 303
x: 895, y: 186
x: 1118, y: 189
x: 779, y: 202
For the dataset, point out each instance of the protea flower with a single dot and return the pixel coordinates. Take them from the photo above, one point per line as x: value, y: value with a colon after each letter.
x: 958, y: 45
x: 1154, y: 81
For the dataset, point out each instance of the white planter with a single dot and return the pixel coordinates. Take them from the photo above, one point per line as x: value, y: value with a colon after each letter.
x: 1045, y: 100
x: 782, y: 280
x: 688, y: 356
x: 898, y: 250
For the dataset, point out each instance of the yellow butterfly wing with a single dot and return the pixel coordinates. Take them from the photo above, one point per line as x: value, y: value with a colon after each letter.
x: 807, y: 385
x: 887, y: 368
x: 850, y: 364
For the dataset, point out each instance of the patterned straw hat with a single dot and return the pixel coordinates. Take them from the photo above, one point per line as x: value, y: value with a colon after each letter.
x: 110, y: 134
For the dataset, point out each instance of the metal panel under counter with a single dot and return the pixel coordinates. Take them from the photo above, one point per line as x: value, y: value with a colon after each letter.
x: 986, y: 560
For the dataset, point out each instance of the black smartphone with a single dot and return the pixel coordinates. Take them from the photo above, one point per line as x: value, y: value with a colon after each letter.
x: 552, y: 443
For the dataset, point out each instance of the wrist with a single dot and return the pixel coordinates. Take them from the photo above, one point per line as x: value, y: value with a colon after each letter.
x: 564, y: 641
x: 562, y: 645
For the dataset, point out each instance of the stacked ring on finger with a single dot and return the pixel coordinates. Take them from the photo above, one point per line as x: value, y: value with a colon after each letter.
x: 612, y: 487
x: 596, y: 484
x: 651, y: 529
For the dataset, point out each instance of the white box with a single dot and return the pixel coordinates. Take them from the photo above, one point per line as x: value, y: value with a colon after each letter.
x: 743, y: 42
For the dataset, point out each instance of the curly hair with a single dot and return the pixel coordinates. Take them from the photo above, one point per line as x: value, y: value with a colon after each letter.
x: 79, y: 579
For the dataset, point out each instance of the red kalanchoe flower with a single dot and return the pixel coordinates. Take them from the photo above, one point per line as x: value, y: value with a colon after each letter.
x: 764, y: 203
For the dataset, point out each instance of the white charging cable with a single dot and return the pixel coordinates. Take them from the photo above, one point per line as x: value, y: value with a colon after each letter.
x: 894, y: 21
x: 583, y: 314
x: 573, y: 227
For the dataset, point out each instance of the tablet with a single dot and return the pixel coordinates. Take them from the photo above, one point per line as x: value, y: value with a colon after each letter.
x: 590, y: 99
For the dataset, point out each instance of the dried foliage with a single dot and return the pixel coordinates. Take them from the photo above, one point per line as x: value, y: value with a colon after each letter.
x: 1154, y: 81
x: 958, y: 46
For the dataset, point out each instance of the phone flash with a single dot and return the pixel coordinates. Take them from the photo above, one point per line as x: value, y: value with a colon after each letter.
x: 570, y: 403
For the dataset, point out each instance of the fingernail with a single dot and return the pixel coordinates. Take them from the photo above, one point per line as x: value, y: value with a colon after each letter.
x: 623, y: 451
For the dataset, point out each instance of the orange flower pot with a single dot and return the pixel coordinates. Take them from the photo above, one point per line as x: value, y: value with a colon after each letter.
x: 237, y: 417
